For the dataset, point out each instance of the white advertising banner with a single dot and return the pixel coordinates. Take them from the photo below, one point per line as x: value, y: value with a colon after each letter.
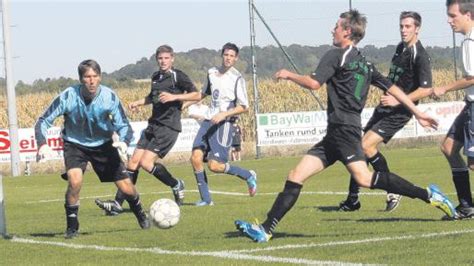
x: 28, y: 149
x: 273, y: 129
x: 310, y: 127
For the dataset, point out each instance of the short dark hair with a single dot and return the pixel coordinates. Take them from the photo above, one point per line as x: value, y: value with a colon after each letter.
x: 411, y: 14
x: 86, y: 65
x: 164, y: 49
x: 356, y: 22
x: 230, y: 46
x: 464, y: 6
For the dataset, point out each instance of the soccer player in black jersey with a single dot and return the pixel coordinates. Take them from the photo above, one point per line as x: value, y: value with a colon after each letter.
x: 410, y: 71
x: 348, y: 76
x: 169, y: 88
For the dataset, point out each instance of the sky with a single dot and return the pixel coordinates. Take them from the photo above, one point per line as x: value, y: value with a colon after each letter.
x: 50, y: 38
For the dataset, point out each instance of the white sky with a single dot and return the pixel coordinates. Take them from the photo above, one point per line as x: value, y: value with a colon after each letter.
x: 50, y: 38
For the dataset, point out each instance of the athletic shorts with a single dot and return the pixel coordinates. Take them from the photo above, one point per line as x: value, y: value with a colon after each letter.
x: 387, y: 124
x: 236, y: 147
x: 104, y: 159
x: 341, y: 143
x: 214, y: 140
x: 158, y: 139
x: 462, y: 129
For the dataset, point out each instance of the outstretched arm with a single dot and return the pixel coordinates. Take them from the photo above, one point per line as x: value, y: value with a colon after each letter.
x: 168, y: 97
x: 304, y: 81
x: 424, y: 119
x: 420, y: 93
x: 133, y: 106
x: 239, y: 109
x: 457, y: 85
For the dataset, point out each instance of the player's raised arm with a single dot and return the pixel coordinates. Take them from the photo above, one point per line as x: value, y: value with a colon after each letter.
x: 302, y: 80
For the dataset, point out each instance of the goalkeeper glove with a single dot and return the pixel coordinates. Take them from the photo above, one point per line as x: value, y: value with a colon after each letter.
x: 122, y: 150
x: 45, y: 153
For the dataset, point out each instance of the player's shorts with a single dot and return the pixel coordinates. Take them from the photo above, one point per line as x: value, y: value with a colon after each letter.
x: 387, y: 124
x: 158, y: 139
x: 104, y: 159
x: 236, y: 147
x: 215, y: 140
x: 462, y: 129
x: 341, y: 143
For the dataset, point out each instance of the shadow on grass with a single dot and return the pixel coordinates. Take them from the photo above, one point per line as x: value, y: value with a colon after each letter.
x: 81, y: 233
x: 388, y: 219
x: 275, y: 235
x: 397, y: 219
x: 327, y: 208
x: 61, y: 234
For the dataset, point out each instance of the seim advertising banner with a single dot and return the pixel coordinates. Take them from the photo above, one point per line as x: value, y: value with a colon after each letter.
x: 28, y: 148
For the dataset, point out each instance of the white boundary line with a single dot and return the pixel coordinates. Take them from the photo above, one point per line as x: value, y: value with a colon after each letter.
x: 159, y: 251
x: 360, y: 241
x: 239, y: 254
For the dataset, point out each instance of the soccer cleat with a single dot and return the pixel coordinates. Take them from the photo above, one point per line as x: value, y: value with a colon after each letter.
x: 202, y: 203
x: 440, y: 201
x: 253, y: 231
x: 252, y: 183
x: 143, y: 221
x: 349, y: 205
x: 178, y: 192
x: 393, y: 200
x: 462, y: 213
x: 111, y: 207
x: 71, y: 233
x: 64, y: 176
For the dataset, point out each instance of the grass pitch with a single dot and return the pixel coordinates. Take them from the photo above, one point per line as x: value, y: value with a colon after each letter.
x: 313, y: 232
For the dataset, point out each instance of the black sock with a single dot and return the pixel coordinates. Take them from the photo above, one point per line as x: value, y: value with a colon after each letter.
x: 162, y: 174
x: 72, y: 212
x: 119, y: 196
x: 283, y: 203
x: 353, y: 190
x: 463, y: 186
x: 378, y: 162
x: 135, y: 205
x: 392, y: 183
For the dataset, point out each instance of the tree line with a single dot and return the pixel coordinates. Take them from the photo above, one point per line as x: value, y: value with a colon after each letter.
x: 269, y: 59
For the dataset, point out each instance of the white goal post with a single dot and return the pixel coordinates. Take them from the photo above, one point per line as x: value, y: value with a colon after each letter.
x: 3, y: 225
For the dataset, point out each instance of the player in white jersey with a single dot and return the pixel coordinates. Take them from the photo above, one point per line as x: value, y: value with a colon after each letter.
x: 460, y: 135
x: 226, y: 86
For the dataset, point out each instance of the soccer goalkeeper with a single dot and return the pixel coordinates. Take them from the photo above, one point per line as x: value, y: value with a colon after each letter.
x: 92, y: 112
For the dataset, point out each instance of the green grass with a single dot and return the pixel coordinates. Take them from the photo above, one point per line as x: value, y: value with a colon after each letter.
x: 311, y: 232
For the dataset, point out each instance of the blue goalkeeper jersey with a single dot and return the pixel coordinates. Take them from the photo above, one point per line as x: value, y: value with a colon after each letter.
x: 88, y: 125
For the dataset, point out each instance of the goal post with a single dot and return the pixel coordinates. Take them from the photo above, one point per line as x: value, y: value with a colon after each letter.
x: 3, y: 225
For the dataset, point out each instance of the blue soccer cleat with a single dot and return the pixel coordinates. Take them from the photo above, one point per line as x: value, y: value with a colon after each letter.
x: 252, y: 231
x: 440, y: 201
x: 252, y: 183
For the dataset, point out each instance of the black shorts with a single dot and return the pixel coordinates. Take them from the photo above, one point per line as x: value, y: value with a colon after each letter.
x: 462, y: 129
x: 387, y: 124
x: 341, y: 143
x: 158, y: 139
x: 236, y: 147
x: 104, y: 159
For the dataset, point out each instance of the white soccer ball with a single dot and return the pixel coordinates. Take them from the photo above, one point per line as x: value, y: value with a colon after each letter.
x: 164, y: 213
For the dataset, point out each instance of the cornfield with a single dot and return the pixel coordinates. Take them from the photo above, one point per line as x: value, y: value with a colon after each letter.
x: 274, y: 97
